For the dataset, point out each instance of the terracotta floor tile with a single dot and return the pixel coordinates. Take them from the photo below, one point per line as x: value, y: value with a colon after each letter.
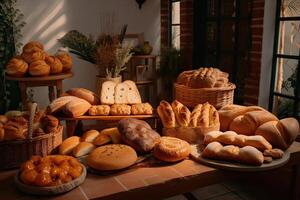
x: 130, y: 184
x: 210, y: 191
x: 228, y: 196
x: 155, y: 179
x: 189, y: 168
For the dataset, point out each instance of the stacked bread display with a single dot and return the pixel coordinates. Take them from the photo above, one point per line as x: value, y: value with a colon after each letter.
x: 34, y: 61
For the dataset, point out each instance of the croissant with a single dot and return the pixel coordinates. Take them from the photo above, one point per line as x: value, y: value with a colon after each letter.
x: 39, y: 68
x: 56, y: 66
x: 66, y: 61
x: 33, y: 46
x: 33, y: 56
x: 16, y: 67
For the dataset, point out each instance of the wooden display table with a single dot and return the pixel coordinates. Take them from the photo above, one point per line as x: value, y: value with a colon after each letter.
x: 50, y: 81
x: 156, y: 182
x: 71, y: 123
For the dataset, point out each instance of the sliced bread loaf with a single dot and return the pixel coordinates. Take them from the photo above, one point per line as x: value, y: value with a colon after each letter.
x: 121, y: 93
x: 133, y: 94
x: 108, y: 93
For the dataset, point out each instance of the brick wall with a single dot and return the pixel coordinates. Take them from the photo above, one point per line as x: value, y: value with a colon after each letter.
x: 252, y: 81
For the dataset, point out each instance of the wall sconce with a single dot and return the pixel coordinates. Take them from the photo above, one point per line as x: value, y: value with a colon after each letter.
x: 140, y: 2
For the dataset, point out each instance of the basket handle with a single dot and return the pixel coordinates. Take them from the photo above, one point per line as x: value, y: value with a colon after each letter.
x: 32, y: 111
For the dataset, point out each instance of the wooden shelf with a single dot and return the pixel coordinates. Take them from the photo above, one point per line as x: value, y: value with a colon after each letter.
x: 107, y: 118
x: 143, y: 56
x: 144, y: 82
x: 41, y: 78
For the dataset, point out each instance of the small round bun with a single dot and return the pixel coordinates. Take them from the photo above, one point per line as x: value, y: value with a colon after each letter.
x: 171, y: 149
x: 112, y: 157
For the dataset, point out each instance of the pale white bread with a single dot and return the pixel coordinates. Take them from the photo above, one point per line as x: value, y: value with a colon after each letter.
x: 107, y: 95
x: 133, y: 94
x: 83, y: 148
x: 113, y: 133
x: 89, y: 136
x: 232, y: 138
x: 68, y: 145
x: 121, y: 93
x: 76, y: 107
x: 112, y: 157
x: 246, y: 155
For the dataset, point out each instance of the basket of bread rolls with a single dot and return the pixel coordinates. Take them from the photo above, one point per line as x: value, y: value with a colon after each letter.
x: 191, y: 126
x: 23, y: 134
x: 34, y: 61
x: 204, y: 85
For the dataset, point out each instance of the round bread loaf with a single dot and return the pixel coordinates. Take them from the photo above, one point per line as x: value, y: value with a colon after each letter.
x: 171, y: 149
x: 112, y: 157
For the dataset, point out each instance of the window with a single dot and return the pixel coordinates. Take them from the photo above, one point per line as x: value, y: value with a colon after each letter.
x: 174, y: 23
x: 285, y: 80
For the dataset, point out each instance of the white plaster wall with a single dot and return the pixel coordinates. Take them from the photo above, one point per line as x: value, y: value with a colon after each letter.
x: 48, y: 20
x: 267, y: 52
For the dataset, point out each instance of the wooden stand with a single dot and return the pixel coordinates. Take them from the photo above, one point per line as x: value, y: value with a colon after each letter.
x: 50, y: 81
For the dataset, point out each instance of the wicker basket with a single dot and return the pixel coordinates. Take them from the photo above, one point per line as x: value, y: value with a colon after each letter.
x: 13, y: 153
x: 217, y: 97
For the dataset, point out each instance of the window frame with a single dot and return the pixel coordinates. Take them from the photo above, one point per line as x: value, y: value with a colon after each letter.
x: 170, y: 24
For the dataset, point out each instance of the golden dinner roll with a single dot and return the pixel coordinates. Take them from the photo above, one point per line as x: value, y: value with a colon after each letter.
x: 16, y: 67
x: 113, y: 133
x: 39, y: 68
x: 83, y: 148
x: 33, y: 46
x: 66, y: 61
x: 68, y: 145
x: 3, y: 119
x: 56, y: 66
x: 171, y: 149
x: 112, y: 157
x: 33, y: 56
x: 89, y: 136
x: 101, y: 139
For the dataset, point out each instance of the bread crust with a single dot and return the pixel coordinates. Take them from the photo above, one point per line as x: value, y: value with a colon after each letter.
x: 166, y: 114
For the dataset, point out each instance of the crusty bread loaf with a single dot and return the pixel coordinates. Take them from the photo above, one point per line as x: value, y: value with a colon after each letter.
x: 99, y: 110
x: 121, y: 92
x: 89, y: 136
x: 83, y: 148
x: 166, y: 114
x: 182, y: 113
x: 141, y: 109
x: 112, y: 157
x: 85, y: 94
x: 16, y: 67
x: 108, y: 93
x: 171, y: 149
x: 281, y: 134
x: 76, y: 107
x: 120, y: 109
x: 68, y: 145
x: 133, y: 94
x: 246, y: 155
x: 204, y: 115
x: 232, y: 138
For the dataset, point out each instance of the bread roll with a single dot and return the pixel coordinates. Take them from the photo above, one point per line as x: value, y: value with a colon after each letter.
x: 204, y: 115
x: 1, y: 132
x: 3, y: 119
x: 33, y: 46
x: 99, y: 110
x: 39, y: 68
x: 171, y: 149
x: 108, y: 93
x: 112, y: 157
x: 33, y: 56
x: 85, y: 94
x: 66, y: 60
x: 182, y: 113
x: 274, y: 153
x: 68, y: 145
x: 133, y: 94
x: 120, y: 109
x: 56, y: 66
x: 16, y: 67
x: 89, y: 136
x: 281, y: 134
x: 121, y: 93
x: 141, y: 109
x: 59, y: 103
x: 76, y: 107
x: 14, y: 131
x: 166, y: 114
x: 102, y: 139
x: 246, y: 155
x: 113, y: 133
x: 83, y: 148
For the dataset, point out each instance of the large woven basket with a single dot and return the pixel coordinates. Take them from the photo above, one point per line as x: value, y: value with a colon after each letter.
x: 217, y: 97
x: 13, y: 153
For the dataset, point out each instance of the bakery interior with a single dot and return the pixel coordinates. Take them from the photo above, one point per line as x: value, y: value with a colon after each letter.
x: 150, y: 99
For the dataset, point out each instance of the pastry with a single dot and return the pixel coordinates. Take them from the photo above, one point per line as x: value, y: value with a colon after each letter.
x: 66, y: 60
x: 121, y: 93
x: 120, y: 109
x: 39, y: 68
x: 182, y: 113
x: 141, y: 109
x: 68, y: 145
x: 246, y: 155
x: 85, y: 94
x: 113, y: 133
x: 16, y: 67
x: 133, y: 94
x: 112, y: 157
x: 281, y: 134
x: 83, y: 148
x: 56, y: 66
x: 102, y: 139
x: 274, y: 153
x: 33, y: 46
x: 14, y: 131
x: 89, y: 136
x: 204, y: 115
x: 33, y: 56
x: 232, y: 138
x: 99, y: 110
x: 108, y: 93
x: 171, y: 149
x: 138, y: 134
x: 166, y: 114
